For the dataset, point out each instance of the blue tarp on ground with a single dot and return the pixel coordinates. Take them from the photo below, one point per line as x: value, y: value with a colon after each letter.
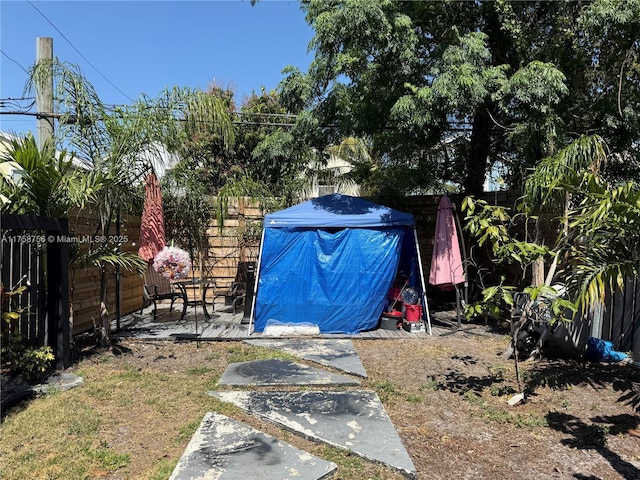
x: 330, y: 261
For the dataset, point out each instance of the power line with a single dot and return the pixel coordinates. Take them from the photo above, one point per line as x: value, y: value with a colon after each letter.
x: 14, y: 61
x: 78, y: 51
x: 455, y: 126
x: 284, y: 115
x: 72, y: 118
x: 15, y: 104
x: 25, y: 110
x: 266, y: 124
x: 112, y: 107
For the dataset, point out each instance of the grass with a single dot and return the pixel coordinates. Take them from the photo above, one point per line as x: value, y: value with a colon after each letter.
x: 241, y: 352
x: 493, y: 413
x: 52, y: 422
x: 132, y: 421
x: 139, y: 407
x: 78, y: 434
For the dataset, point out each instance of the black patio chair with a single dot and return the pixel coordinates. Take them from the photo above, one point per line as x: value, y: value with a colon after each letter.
x: 236, y: 295
x: 157, y: 288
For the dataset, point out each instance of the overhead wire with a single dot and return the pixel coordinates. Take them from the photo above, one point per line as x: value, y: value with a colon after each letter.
x: 455, y: 127
x: 15, y: 104
x: 14, y: 61
x: 112, y: 107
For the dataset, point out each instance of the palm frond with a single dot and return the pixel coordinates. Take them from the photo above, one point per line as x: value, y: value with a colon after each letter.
x: 547, y: 183
x: 110, y: 255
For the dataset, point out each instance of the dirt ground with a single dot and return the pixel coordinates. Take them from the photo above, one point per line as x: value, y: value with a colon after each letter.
x: 447, y: 397
x: 574, y: 424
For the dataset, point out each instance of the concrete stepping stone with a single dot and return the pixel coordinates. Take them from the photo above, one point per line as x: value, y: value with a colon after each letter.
x: 353, y: 420
x: 224, y: 449
x: 280, y: 372
x: 338, y: 354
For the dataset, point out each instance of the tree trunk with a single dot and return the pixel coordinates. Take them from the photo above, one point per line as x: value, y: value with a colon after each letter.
x: 103, y: 325
x: 480, y: 145
x: 537, y: 272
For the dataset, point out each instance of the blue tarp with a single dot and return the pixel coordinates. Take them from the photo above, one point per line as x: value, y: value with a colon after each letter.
x: 599, y: 350
x: 338, y: 210
x: 330, y: 261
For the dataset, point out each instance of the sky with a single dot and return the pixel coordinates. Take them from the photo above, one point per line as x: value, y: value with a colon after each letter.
x: 129, y: 48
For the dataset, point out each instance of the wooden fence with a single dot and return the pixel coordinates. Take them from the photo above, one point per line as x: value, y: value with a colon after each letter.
x: 424, y: 208
x: 84, y: 281
x: 619, y: 320
x: 239, y: 239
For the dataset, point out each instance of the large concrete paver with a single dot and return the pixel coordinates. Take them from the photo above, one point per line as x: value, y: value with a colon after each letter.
x: 225, y: 449
x: 353, y: 420
x: 338, y: 354
x: 280, y: 372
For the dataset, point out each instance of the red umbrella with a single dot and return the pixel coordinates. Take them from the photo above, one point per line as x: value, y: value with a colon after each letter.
x: 152, y: 223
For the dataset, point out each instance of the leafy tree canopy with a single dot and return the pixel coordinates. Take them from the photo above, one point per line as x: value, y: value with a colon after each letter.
x: 520, y: 80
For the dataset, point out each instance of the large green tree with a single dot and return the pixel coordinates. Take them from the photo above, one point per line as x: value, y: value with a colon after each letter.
x: 275, y: 155
x: 264, y: 148
x: 518, y: 79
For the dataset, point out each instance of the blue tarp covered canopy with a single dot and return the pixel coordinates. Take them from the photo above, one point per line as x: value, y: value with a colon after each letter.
x: 330, y: 261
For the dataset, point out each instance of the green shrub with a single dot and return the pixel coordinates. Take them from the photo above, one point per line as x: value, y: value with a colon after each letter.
x: 34, y: 363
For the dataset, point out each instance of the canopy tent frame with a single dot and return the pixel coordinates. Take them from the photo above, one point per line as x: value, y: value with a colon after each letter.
x: 358, y: 220
x: 423, y: 285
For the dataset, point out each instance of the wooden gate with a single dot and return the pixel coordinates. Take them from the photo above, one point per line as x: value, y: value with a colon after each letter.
x: 34, y: 254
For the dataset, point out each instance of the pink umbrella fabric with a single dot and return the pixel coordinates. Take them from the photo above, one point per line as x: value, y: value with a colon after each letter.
x: 152, y: 223
x: 446, y: 262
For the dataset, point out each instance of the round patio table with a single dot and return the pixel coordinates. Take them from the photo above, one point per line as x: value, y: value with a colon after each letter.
x: 199, y: 287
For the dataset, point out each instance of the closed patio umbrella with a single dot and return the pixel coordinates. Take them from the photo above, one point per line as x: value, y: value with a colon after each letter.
x: 447, y: 269
x: 152, y: 223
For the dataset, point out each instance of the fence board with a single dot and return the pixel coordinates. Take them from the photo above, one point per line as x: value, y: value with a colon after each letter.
x: 615, y: 328
x: 85, y: 282
x: 626, y: 324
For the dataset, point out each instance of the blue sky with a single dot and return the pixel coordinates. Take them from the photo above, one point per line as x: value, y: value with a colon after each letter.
x: 129, y: 48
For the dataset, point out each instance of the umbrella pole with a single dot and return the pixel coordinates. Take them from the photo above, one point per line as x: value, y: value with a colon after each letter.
x: 463, y: 249
x: 459, y: 315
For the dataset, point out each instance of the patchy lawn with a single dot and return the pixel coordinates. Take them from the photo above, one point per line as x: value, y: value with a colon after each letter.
x: 446, y: 395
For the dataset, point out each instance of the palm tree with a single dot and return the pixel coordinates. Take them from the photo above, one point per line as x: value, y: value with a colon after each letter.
x: 596, y: 249
x: 604, y: 239
x: 51, y: 184
x: 48, y: 182
x: 550, y: 187
x: 123, y: 145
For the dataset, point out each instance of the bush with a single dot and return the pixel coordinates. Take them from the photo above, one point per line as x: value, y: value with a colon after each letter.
x: 34, y: 363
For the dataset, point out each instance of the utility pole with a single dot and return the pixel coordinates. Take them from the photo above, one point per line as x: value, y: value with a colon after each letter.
x: 44, y: 90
